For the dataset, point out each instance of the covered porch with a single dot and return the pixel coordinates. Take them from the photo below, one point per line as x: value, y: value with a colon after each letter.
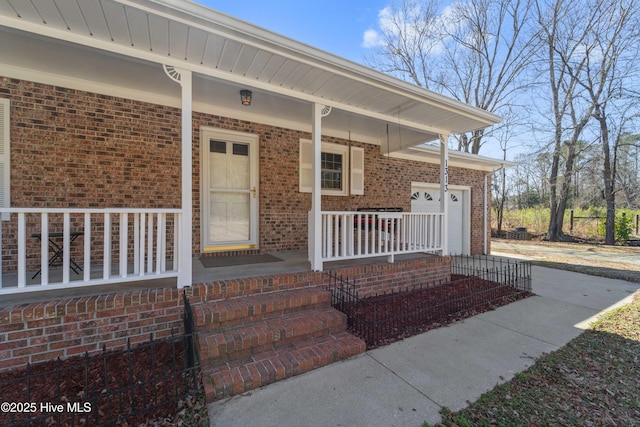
x: 171, y: 87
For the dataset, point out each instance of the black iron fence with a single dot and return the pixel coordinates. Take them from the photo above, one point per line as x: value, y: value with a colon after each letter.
x: 476, y: 285
x: 126, y: 387
x: 504, y: 271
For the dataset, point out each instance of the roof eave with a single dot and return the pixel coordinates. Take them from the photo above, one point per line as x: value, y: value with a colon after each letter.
x: 258, y: 36
x: 431, y: 154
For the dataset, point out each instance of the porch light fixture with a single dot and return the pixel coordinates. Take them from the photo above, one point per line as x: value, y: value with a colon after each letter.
x: 245, y: 97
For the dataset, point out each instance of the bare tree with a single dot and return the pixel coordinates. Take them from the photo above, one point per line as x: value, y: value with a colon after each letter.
x: 474, y: 51
x: 610, y: 60
x: 565, y: 26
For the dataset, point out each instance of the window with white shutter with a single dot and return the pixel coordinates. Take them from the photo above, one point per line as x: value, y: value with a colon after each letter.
x: 5, y: 171
x: 336, y: 169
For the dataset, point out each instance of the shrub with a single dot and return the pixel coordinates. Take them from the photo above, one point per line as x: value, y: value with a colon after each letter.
x: 622, y: 229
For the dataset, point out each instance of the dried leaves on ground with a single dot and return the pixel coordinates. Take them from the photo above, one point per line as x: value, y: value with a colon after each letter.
x: 592, y: 381
x: 383, y: 319
x: 144, y: 386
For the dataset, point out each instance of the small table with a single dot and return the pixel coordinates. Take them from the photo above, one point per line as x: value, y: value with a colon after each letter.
x: 57, y: 249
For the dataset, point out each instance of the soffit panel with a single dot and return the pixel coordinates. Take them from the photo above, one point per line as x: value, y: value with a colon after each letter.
x: 256, y: 64
x: 153, y: 28
x: 138, y: 30
x: 296, y: 75
x: 116, y: 20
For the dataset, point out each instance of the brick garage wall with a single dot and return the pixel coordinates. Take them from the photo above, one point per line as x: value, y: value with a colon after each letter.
x: 69, y: 327
x: 77, y: 149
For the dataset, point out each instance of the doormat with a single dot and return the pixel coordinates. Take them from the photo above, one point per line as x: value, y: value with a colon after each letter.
x: 226, y: 261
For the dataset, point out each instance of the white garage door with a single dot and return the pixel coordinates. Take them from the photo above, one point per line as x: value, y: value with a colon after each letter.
x: 427, y: 200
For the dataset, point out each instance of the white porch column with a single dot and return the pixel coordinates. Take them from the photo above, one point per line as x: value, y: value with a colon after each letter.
x: 315, y: 218
x: 186, y: 227
x: 184, y: 78
x: 444, y: 191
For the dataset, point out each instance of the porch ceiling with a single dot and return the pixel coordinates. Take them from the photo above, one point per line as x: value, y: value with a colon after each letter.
x: 226, y: 55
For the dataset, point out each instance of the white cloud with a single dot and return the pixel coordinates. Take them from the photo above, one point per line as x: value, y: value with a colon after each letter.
x: 412, y: 20
x: 370, y: 39
x: 385, y: 20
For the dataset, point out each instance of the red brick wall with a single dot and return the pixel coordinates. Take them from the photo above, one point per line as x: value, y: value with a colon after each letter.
x: 373, y: 279
x: 77, y: 149
x: 69, y: 327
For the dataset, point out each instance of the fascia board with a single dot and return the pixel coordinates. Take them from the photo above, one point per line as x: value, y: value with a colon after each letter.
x: 456, y: 158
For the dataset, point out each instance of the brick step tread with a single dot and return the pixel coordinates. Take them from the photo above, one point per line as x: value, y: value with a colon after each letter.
x: 215, y: 314
x: 228, y: 379
x: 235, y: 342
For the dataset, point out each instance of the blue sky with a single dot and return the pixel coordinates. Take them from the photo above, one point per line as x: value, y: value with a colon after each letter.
x: 335, y: 26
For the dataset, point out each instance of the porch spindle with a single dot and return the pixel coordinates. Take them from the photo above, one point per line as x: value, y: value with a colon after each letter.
x: 141, y: 252
x: 87, y: 246
x: 159, y: 242
x: 136, y: 243
x: 150, y: 244
x: 44, y: 248
x: 66, y: 243
x: 177, y: 221
x: 106, y: 257
x: 124, y: 231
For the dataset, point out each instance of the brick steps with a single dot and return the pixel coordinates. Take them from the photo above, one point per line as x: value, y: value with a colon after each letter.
x: 264, y: 368
x: 265, y: 334
x: 228, y: 312
x: 250, y: 342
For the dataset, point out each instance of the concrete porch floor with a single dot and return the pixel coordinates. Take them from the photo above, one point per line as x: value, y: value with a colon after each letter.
x: 292, y: 262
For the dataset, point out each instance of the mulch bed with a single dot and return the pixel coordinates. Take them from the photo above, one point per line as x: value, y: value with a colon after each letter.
x: 146, y: 381
x: 95, y: 380
x: 383, y: 319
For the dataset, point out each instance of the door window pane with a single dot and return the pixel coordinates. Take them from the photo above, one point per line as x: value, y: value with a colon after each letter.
x: 229, y: 219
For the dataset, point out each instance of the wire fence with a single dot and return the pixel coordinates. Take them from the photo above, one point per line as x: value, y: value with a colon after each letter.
x: 125, y: 387
x: 477, y: 285
x: 504, y: 271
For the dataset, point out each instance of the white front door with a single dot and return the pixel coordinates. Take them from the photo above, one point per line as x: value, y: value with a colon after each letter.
x: 425, y: 198
x: 230, y: 190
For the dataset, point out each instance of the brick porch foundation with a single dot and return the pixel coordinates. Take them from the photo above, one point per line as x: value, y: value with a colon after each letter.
x: 69, y: 327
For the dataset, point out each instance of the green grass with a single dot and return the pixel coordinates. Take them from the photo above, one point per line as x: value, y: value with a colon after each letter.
x: 592, y: 381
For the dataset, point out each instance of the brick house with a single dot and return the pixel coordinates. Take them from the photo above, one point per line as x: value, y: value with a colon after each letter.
x: 143, y: 136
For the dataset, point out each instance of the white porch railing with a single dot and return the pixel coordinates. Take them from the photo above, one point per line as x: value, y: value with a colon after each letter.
x: 95, y: 246
x: 350, y: 235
